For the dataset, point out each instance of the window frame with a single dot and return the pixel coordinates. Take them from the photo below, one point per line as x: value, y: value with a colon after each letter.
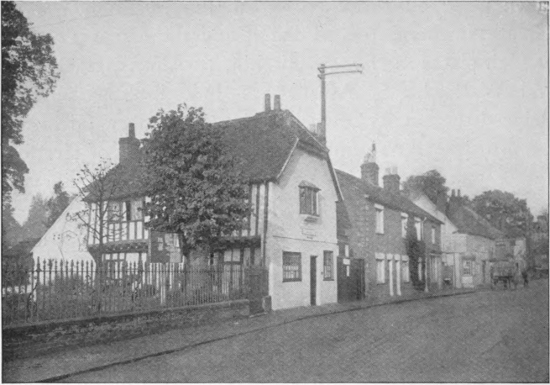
x: 404, y: 221
x: 379, y: 220
x: 380, y: 268
x: 418, y: 227
x: 309, y: 205
x: 433, y: 235
x: 287, y: 255
x: 328, y: 268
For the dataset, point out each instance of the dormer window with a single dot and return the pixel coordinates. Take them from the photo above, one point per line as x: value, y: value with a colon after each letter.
x: 309, y: 199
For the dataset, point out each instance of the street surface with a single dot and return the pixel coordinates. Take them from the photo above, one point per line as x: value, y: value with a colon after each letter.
x: 489, y: 336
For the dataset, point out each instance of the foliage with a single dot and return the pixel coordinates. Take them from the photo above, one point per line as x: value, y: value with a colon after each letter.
x: 29, y: 71
x: 193, y: 187
x: 34, y: 226
x: 431, y: 183
x: 416, y: 251
x: 504, y: 211
x: 56, y: 204
x: 11, y: 229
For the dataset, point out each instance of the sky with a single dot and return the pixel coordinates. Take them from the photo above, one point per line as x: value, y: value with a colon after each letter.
x: 457, y: 87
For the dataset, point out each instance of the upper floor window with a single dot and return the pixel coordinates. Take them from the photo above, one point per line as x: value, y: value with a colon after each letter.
x: 130, y: 210
x: 404, y: 219
x: 433, y: 235
x: 309, y: 199
x: 379, y: 218
x: 418, y: 227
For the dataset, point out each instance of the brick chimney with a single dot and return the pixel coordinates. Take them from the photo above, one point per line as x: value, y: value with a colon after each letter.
x: 277, y: 103
x: 129, y: 147
x: 369, y: 168
x: 391, y: 181
x: 267, y: 102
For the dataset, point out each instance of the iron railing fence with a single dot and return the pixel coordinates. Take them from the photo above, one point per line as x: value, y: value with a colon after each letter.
x: 50, y: 290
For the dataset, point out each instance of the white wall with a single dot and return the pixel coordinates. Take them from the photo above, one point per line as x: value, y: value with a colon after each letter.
x: 289, y: 231
x: 65, y: 239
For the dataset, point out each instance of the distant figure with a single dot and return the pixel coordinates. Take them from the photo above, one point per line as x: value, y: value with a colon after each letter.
x: 525, y: 277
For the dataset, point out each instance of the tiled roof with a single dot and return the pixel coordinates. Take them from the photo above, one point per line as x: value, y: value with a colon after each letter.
x: 468, y: 221
x: 343, y: 222
x: 357, y: 188
x: 263, y: 143
x: 125, y: 181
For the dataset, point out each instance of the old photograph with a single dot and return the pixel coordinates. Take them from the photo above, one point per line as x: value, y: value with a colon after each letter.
x: 275, y: 192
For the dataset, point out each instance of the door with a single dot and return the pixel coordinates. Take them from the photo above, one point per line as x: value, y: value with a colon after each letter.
x: 313, y: 279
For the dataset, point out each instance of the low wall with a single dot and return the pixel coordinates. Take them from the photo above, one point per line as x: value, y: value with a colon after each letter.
x: 31, y: 340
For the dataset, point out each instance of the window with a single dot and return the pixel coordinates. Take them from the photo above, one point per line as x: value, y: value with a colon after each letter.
x: 379, y: 219
x: 380, y: 268
x: 467, y: 268
x: 113, y: 212
x: 328, y: 264
x: 308, y: 200
x: 405, y: 270
x: 418, y: 227
x: 404, y: 218
x: 292, y: 266
x: 420, y: 269
x: 433, y: 235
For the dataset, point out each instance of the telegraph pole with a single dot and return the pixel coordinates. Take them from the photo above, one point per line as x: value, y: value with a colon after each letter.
x: 323, y: 73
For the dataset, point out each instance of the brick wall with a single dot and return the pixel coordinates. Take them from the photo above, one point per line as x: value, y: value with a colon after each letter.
x: 36, y: 339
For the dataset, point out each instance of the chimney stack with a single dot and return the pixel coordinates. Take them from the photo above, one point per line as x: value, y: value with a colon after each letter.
x: 267, y: 103
x: 129, y: 147
x: 369, y: 168
x: 277, y: 103
x: 391, y: 181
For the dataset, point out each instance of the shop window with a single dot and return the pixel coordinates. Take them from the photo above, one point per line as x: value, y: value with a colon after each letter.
x: 292, y: 266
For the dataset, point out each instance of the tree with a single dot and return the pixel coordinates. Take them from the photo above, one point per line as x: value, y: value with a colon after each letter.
x: 504, y: 211
x: 56, y: 204
x: 11, y: 229
x: 431, y: 183
x: 191, y: 180
x: 34, y: 226
x: 98, y: 186
x: 29, y: 71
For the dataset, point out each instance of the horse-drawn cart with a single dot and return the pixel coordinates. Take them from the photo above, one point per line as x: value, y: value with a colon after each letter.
x: 506, y: 272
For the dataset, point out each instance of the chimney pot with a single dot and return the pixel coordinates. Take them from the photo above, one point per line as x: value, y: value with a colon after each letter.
x: 453, y: 193
x: 277, y: 103
x: 267, y: 102
x: 458, y: 193
x: 131, y: 130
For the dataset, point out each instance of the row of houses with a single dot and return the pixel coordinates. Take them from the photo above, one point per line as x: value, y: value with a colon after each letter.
x: 324, y: 235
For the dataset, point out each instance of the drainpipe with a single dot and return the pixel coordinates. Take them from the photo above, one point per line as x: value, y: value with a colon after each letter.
x: 390, y: 261
x: 426, y: 267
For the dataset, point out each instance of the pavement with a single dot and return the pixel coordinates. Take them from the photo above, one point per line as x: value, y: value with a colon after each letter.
x: 81, y: 360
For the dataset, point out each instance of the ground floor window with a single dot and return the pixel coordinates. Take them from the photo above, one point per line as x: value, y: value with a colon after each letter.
x: 380, y: 271
x: 405, y: 271
x: 292, y: 266
x: 467, y: 268
x: 328, y: 265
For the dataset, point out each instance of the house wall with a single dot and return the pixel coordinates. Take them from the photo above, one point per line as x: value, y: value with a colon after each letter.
x: 367, y: 244
x: 65, y: 239
x: 290, y: 231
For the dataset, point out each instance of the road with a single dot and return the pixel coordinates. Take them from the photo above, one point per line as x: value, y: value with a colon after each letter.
x: 489, y: 336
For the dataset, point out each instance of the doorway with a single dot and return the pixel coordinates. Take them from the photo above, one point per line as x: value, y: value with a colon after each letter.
x: 313, y: 279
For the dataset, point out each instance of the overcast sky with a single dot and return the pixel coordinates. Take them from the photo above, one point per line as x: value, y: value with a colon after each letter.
x: 457, y: 87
